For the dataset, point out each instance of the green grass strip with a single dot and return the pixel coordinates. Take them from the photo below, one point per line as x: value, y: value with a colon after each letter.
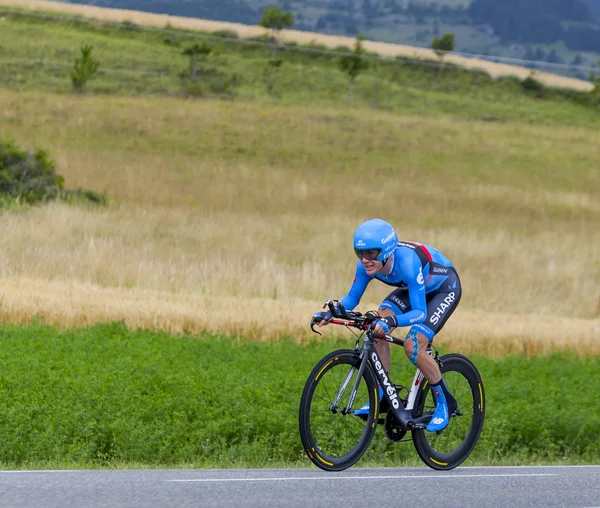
x: 105, y: 396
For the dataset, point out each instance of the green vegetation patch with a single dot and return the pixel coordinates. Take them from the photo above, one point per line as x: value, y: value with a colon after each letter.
x: 105, y: 396
x: 30, y: 177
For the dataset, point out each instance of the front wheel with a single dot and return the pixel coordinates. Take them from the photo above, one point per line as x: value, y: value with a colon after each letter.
x: 334, y: 438
x: 449, y: 447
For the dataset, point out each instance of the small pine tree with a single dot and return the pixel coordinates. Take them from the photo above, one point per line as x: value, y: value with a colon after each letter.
x: 276, y: 19
x: 354, y: 64
x: 441, y: 45
x: 195, y: 52
x: 84, y: 69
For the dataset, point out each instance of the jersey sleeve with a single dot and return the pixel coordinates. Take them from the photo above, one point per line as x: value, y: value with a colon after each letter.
x: 416, y: 293
x: 357, y: 290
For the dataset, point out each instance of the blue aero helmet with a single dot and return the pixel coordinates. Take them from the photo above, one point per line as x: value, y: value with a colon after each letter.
x: 375, y: 240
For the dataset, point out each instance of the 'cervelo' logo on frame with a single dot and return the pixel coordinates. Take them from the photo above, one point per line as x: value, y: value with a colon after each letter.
x: 389, y: 387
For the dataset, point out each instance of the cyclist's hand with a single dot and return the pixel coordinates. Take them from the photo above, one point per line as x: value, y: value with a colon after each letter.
x: 382, y: 326
x: 322, y: 318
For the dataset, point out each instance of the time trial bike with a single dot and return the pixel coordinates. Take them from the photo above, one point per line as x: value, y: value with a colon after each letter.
x: 335, y: 437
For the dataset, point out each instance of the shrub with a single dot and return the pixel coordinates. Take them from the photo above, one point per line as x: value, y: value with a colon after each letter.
x: 210, y: 82
x: 226, y: 34
x: 171, y: 40
x: 129, y: 25
x: 342, y: 49
x: 260, y: 38
x: 31, y: 178
x: 27, y: 177
x: 192, y: 89
x: 533, y: 87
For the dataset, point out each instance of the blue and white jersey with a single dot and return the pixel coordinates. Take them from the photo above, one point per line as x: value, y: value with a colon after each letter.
x: 418, y: 268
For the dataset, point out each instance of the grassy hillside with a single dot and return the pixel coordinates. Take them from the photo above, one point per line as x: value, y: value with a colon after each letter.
x: 219, y: 202
x: 293, y: 36
x: 37, y: 54
x: 378, y: 20
x: 251, y: 203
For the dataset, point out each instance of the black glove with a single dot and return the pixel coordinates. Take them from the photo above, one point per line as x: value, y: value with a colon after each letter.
x: 322, y: 316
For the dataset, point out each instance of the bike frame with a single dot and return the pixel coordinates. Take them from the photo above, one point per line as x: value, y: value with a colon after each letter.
x: 403, y: 415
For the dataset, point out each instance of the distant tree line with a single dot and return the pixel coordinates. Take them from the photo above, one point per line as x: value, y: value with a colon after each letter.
x: 344, y: 16
x: 527, y: 22
x: 237, y: 11
x: 539, y: 22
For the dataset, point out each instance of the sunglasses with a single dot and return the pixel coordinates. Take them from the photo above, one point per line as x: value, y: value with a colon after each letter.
x: 368, y: 254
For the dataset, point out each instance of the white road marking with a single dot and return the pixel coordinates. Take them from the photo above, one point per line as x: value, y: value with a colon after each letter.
x: 38, y: 471
x: 329, y: 478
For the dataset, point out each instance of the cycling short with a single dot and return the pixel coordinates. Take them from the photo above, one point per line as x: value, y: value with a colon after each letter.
x: 441, y: 303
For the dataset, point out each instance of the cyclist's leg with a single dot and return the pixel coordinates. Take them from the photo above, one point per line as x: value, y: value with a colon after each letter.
x: 440, y: 306
x: 415, y: 347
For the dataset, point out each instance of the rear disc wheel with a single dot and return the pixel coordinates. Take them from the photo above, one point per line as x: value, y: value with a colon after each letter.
x: 451, y: 446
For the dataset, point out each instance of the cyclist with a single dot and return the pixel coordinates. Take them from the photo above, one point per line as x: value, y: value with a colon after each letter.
x: 427, y: 292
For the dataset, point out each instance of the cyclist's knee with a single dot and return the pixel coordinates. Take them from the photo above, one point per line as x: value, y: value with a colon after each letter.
x: 385, y: 312
x: 411, y: 346
x: 415, y: 343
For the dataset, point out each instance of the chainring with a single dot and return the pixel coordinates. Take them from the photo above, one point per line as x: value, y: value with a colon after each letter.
x: 393, y: 431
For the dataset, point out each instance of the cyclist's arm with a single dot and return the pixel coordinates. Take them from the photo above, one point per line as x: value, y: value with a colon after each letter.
x: 361, y: 280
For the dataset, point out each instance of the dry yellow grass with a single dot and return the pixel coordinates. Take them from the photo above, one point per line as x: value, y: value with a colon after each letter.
x: 238, y: 217
x: 69, y: 303
x: 245, y: 31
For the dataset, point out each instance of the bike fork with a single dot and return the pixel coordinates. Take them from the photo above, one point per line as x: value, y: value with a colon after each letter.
x: 351, y: 371
x: 359, y: 375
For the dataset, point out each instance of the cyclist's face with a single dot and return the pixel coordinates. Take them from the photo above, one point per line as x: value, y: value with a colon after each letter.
x: 371, y: 267
x: 368, y: 260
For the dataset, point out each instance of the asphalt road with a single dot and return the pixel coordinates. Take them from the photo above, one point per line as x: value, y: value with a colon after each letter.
x: 564, y: 486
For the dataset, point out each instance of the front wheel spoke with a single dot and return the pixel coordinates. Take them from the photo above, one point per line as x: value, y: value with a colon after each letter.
x: 326, y: 400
